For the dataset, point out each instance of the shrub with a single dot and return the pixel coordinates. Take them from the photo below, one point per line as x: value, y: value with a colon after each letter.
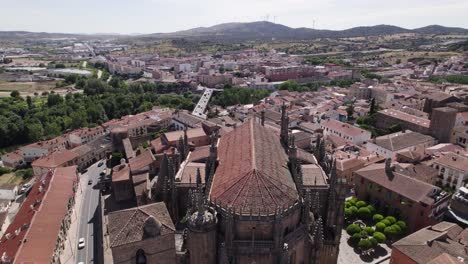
x: 348, y: 212
x: 371, y: 209
x: 380, y: 226
x: 369, y: 230
x: 356, y: 236
x: 386, y: 222
x: 364, y: 244
x: 402, y: 225
x: 360, y: 204
x: 397, y: 229
x: 352, y: 201
x: 377, y: 218
x: 347, y: 204
x: 390, y: 231
x: 380, y: 237
x: 364, y: 212
x: 353, y: 229
x: 391, y: 219
x: 363, y: 234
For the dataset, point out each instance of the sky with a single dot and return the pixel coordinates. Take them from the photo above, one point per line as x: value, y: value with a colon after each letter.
x: 157, y: 16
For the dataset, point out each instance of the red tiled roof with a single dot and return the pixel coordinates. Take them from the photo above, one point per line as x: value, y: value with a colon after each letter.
x: 253, y: 172
x: 23, y: 217
x: 43, y: 232
x: 121, y: 172
x: 141, y: 161
x: 55, y: 159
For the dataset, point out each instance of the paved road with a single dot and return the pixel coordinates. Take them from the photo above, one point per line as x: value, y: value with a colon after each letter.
x: 90, y: 222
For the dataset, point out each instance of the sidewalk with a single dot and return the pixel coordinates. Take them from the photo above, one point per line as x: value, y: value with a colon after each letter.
x: 71, y: 244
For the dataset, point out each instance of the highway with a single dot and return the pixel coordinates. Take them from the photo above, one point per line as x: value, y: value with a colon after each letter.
x: 89, y: 226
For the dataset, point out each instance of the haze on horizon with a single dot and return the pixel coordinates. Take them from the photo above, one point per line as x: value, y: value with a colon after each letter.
x: 159, y: 16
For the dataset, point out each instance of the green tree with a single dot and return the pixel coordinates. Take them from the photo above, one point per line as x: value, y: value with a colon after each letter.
x: 377, y: 218
x: 15, y: 94
x: 35, y: 131
x: 29, y: 101
x: 364, y: 212
x: 391, y: 219
x: 360, y: 204
x: 353, y: 229
x: 364, y: 244
x: 369, y: 230
x: 380, y: 226
x: 115, y: 158
x: 380, y: 237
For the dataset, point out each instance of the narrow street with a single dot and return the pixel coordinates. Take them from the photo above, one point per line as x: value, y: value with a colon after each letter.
x: 89, y: 220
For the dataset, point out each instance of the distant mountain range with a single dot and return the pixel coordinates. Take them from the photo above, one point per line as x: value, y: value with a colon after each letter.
x: 268, y: 30
x: 261, y: 30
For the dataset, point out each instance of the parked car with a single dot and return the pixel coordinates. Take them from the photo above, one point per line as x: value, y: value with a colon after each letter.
x: 100, y: 164
x: 81, y: 243
x: 90, y: 182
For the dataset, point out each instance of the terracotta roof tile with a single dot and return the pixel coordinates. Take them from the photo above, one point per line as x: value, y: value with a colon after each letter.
x: 253, y: 172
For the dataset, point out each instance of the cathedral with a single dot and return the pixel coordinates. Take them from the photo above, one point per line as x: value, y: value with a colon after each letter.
x: 256, y: 198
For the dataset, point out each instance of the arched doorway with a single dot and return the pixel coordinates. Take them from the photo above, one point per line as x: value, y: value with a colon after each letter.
x: 141, y: 257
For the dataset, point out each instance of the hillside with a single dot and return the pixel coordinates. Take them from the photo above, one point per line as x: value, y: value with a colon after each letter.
x: 268, y: 30
x: 261, y: 30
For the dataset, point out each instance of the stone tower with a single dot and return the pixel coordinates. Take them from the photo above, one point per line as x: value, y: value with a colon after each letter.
x: 201, y: 240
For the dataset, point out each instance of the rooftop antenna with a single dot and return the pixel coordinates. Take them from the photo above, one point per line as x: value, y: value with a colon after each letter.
x: 274, y: 19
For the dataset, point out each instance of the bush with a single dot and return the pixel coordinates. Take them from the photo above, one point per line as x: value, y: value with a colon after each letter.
x: 369, y: 230
x: 380, y: 226
x: 354, y: 210
x: 4, y: 170
x: 371, y: 209
x: 391, y: 219
x: 364, y: 212
x: 364, y: 244
x: 352, y: 201
x: 363, y: 234
x: 386, y: 222
x: 402, y: 225
x: 397, y: 229
x: 360, y: 204
x: 380, y: 237
x: 377, y: 218
x: 356, y: 236
x: 390, y: 231
x: 353, y: 229
x: 348, y: 212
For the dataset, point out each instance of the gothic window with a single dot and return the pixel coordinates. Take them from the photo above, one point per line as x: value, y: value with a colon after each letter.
x: 140, y: 257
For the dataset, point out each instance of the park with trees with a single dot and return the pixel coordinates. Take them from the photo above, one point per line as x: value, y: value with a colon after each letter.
x: 368, y: 228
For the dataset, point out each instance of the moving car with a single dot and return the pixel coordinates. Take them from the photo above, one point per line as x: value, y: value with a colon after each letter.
x: 90, y: 182
x: 81, y: 243
x: 100, y: 164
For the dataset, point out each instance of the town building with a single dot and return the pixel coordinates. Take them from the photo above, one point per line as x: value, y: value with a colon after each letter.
x: 453, y: 170
x: 152, y: 237
x: 444, y: 242
x: 417, y: 203
x: 389, y: 117
x: 389, y: 145
x: 442, y: 122
x: 345, y: 131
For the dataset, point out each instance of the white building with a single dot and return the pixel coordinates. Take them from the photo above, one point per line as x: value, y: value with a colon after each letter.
x: 453, y: 170
x: 345, y: 131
